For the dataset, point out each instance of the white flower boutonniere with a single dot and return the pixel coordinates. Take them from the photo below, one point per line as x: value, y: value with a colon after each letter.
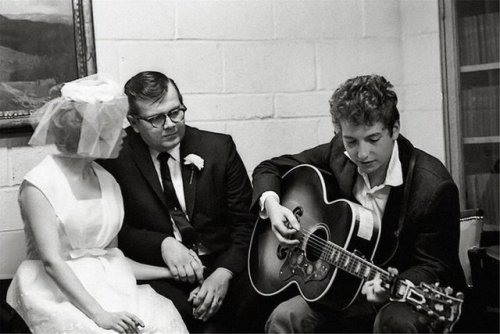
x: 194, y: 161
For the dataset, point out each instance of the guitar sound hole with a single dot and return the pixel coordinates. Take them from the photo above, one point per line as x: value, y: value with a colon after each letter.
x: 315, y: 244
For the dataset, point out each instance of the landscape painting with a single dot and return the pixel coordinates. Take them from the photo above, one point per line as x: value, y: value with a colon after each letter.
x: 43, y: 43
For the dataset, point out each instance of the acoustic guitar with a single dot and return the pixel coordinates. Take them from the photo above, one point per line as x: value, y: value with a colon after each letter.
x: 338, y: 240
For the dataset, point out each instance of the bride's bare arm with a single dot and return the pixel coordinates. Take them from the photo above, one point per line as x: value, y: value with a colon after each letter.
x: 144, y: 271
x: 41, y: 218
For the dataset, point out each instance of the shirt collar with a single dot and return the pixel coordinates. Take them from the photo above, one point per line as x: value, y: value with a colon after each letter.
x: 394, y: 175
x: 175, y: 152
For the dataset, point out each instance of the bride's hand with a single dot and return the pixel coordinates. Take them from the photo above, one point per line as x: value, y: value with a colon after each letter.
x: 122, y: 322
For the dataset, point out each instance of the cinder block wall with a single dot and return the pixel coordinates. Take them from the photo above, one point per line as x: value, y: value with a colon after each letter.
x: 260, y: 70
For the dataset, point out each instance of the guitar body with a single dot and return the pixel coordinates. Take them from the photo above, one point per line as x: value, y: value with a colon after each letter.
x: 273, y: 268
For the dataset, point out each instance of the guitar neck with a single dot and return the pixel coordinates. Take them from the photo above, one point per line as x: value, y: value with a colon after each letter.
x: 352, y: 263
x: 423, y: 298
x: 359, y: 267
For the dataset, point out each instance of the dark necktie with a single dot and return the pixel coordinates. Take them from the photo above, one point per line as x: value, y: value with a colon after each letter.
x: 185, y: 228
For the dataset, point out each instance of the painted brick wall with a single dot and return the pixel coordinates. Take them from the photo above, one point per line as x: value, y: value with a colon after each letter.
x: 260, y: 70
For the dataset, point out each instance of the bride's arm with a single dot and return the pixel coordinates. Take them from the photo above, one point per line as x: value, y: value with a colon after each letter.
x: 144, y: 271
x: 41, y: 218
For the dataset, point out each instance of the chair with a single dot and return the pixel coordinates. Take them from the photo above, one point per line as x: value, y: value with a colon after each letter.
x: 485, y: 276
x: 471, y: 226
x: 479, y: 260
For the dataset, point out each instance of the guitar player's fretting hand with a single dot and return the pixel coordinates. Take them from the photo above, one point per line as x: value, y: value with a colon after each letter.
x: 375, y: 291
x: 283, y: 221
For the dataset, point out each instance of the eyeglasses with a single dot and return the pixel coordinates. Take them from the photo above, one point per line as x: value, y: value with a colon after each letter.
x: 158, y: 121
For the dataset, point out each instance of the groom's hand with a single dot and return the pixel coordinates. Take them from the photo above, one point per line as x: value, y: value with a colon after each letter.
x: 184, y: 263
x: 208, y: 298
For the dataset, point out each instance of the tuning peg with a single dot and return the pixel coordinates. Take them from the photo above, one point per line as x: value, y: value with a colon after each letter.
x: 418, y: 307
x: 436, y: 284
x: 430, y: 312
x: 448, y: 290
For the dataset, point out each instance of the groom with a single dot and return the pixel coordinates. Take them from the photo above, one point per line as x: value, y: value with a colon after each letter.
x: 187, y: 195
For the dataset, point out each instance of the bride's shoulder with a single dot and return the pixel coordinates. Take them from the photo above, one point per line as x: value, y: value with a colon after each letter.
x: 44, y: 173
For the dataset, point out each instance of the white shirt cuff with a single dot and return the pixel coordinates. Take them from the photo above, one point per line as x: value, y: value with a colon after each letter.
x: 265, y: 195
x: 229, y: 271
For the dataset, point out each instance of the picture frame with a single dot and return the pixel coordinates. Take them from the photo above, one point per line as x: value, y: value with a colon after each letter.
x: 39, y: 52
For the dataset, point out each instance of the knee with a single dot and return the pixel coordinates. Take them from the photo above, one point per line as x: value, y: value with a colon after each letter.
x: 400, y: 318
x: 279, y: 316
x: 291, y: 317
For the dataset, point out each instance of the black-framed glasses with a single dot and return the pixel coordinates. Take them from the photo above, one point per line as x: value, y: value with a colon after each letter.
x: 158, y: 121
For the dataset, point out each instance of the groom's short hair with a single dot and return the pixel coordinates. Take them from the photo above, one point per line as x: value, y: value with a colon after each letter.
x: 149, y: 86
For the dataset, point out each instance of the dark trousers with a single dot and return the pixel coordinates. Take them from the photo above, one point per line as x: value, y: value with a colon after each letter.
x: 402, y: 318
x: 297, y: 316
x: 243, y: 310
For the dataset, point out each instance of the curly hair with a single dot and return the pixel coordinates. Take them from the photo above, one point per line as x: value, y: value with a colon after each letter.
x: 147, y: 85
x: 365, y: 100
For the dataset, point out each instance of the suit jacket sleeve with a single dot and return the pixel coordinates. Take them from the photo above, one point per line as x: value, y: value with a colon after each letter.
x: 142, y: 245
x: 238, y: 198
x: 137, y: 241
x: 267, y: 175
x: 435, y: 256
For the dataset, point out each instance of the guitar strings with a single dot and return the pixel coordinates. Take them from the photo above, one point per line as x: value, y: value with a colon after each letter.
x: 317, y: 246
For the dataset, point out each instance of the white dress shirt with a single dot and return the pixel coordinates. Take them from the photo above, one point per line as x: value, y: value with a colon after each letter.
x: 174, y: 165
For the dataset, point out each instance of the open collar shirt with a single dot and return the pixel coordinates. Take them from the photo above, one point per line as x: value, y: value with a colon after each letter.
x: 375, y: 198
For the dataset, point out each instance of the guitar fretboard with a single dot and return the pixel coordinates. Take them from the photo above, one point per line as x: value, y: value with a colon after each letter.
x: 352, y: 263
x: 347, y: 261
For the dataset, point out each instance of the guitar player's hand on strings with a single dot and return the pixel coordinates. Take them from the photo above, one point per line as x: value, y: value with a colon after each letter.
x: 283, y: 221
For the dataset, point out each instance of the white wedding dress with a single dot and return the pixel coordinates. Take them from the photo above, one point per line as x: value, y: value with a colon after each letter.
x: 85, y: 228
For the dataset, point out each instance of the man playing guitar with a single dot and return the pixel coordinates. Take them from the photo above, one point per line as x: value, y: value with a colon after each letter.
x: 410, y: 192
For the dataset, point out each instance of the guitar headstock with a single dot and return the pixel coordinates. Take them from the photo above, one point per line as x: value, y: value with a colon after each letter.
x: 435, y: 301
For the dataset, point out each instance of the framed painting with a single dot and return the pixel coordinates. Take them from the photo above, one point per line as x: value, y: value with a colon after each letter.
x: 43, y: 43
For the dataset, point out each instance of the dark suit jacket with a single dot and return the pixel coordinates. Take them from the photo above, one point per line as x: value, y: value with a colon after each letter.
x: 425, y: 246
x: 217, y: 199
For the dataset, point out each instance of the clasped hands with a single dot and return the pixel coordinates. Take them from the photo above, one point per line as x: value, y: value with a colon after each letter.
x: 186, y: 266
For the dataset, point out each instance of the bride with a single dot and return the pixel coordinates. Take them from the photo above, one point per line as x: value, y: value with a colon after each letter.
x: 75, y: 279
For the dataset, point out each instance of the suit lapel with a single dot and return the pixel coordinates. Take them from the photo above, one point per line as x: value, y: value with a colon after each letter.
x: 142, y: 158
x: 189, y: 172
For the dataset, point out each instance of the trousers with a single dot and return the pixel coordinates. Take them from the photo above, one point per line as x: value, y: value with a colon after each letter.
x: 296, y: 315
x: 243, y: 309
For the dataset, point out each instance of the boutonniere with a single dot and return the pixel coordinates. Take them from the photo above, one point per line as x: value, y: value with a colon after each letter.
x: 194, y: 160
